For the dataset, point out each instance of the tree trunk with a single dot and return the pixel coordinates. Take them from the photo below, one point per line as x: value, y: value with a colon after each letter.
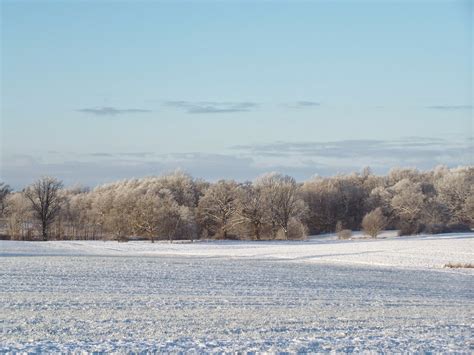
x: 274, y: 230
x: 256, y: 231
x: 285, y: 230
x: 44, y: 231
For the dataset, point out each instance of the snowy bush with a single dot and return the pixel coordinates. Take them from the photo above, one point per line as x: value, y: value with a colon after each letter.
x: 374, y: 222
x: 344, y: 234
x: 296, y: 230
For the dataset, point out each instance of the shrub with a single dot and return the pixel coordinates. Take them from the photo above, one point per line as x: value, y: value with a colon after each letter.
x: 296, y: 230
x: 457, y: 228
x: 374, y: 222
x: 344, y: 234
x: 459, y: 265
x: 434, y: 228
x: 406, y: 228
x: 450, y: 228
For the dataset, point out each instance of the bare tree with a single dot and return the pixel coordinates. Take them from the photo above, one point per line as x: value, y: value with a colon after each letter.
x: 170, y: 220
x: 145, y: 216
x: 342, y: 198
x: 252, y: 209
x: 168, y: 215
x: 187, y: 227
x: 45, y: 199
x: 374, y: 222
x: 117, y: 219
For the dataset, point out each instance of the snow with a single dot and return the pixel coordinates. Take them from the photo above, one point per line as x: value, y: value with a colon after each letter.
x: 409, y: 252
x: 317, y: 295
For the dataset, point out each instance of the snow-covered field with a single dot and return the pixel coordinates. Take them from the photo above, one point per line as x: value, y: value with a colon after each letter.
x: 317, y: 295
x: 389, y: 250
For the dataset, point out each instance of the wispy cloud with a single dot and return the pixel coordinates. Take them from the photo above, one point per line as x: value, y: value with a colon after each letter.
x: 299, y: 159
x: 305, y: 104
x: 204, y: 107
x: 450, y: 107
x: 111, y: 111
x: 420, y: 151
x: 90, y: 170
x: 101, y: 155
x: 118, y: 155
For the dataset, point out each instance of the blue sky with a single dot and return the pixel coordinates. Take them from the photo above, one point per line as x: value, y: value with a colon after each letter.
x: 94, y: 91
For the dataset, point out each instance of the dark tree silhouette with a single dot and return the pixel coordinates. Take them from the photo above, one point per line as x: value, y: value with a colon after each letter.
x: 45, y: 199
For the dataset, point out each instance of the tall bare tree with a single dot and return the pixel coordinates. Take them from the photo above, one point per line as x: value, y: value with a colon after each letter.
x: 145, y: 216
x: 168, y: 215
x: 252, y: 209
x: 45, y: 199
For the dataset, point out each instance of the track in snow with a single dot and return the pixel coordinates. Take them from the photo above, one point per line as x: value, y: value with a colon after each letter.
x: 121, y: 303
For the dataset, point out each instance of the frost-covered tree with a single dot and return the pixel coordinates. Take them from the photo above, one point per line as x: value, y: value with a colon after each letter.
x: 342, y: 198
x: 381, y: 197
x: 455, y: 190
x: 19, y: 216
x: 469, y: 207
x: 175, y: 206
x: 172, y: 219
x: 145, y: 216
x: 252, y: 210
x: 283, y: 201
x: 218, y: 207
x: 397, y: 174
x: 5, y: 190
x: 408, y: 203
x: 182, y: 187
x: 81, y: 216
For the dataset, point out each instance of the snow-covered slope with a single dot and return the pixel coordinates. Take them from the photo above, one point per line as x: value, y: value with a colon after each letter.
x: 412, y: 252
x: 319, y: 295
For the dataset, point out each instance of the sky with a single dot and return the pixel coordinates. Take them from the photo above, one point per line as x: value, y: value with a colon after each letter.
x: 95, y: 91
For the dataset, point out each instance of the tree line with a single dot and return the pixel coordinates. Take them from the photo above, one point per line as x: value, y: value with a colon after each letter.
x: 273, y: 206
